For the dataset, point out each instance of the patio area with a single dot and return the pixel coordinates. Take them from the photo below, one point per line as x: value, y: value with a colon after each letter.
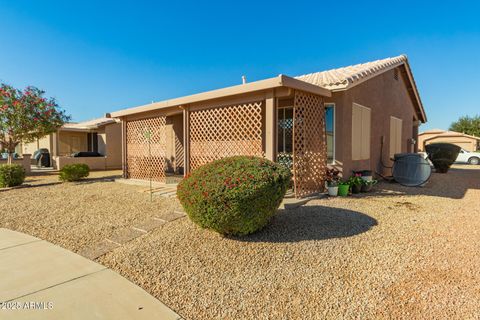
x: 398, y: 253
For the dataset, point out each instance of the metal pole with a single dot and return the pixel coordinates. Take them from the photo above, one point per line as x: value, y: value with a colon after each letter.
x: 150, y: 164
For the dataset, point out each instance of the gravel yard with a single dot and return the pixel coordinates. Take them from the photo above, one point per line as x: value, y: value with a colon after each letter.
x: 77, y: 215
x: 408, y: 253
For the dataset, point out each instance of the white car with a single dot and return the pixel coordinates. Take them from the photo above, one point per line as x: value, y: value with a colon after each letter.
x: 468, y: 157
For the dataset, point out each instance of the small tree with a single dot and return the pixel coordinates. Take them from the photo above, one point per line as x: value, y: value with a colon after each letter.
x: 468, y: 125
x: 26, y: 116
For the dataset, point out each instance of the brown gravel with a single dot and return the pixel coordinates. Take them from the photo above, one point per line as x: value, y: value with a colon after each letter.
x: 77, y: 215
x: 402, y: 253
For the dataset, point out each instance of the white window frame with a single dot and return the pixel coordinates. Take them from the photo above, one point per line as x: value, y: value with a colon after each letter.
x: 333, y: 106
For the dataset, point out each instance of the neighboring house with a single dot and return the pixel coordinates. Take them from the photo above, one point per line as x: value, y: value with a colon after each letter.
x: 102, y: 135
x: 338, y: 117
x: 465, y: 141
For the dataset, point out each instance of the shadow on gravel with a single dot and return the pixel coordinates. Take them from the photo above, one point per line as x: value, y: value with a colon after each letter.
x: 28, y: 186
x: 99, y: 179
x: 312, y: 223
x: 454, y: 184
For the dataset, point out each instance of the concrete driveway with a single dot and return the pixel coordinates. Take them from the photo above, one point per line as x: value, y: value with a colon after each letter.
x: 39, y: 280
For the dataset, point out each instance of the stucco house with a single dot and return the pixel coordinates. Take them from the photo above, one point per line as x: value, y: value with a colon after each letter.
x: 352, y: 118
x: 465, y: 141
x: 102, y: 135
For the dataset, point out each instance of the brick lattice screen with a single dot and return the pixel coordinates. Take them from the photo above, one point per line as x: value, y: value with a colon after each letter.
x: 140, y: 162
x: 225, y: 131
x: 309, y: 144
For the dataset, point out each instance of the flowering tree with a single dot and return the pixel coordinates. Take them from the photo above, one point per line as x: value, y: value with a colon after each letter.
x: 26, y: 116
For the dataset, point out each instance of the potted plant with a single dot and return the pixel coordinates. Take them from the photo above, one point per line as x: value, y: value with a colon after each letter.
x: 367, y: 185
x: 355, y: 182
x: 343, y: 188
x: 332, y: 179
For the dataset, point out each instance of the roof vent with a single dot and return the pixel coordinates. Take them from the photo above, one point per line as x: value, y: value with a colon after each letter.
x: 244, y: 79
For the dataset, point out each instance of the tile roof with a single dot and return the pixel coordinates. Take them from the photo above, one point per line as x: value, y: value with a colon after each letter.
x: 342, y: 78
x: 347, y: 77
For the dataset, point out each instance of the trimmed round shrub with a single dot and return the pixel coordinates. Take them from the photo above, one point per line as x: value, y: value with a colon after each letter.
x: 11, y: 175
x: 74, y: 172
x: 442, y: 155
x: 234, y: 196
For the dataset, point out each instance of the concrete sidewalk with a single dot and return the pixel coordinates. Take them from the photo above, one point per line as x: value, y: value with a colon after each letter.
x: 39, y: 280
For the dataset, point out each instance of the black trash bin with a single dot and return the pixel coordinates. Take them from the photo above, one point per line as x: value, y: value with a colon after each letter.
x: 42, y: 157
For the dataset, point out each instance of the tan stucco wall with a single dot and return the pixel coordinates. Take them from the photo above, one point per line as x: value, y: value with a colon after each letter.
x: 101, y: 141
x: 23, y: 161
x: 467, y: 143
x: 113, y: 145
x: 30, y: 148
x: 94, y: 163
x: 386, y: 97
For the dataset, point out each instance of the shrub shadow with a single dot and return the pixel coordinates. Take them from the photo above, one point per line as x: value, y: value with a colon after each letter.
x: 312, y: 223
x: 28, y: 186
x: 99, y: 179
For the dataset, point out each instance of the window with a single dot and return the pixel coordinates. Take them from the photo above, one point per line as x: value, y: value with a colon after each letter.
x: 92, y: 141
x: 395, y: 136
x: 361, y: 121
x: 330, y: 131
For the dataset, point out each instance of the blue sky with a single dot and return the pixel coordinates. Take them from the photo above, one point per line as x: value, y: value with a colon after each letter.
x: 100, y: 57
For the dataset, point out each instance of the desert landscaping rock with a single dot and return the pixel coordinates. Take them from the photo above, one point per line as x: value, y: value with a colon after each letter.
x: 78, y: 216
x: 399, y: 253
x: 402, y: 253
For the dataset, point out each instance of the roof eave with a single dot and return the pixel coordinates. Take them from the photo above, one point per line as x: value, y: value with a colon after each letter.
x: 271, y: 83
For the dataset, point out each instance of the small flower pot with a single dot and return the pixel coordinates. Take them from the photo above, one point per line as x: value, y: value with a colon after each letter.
x: 343, y: 190
x: 332, y: 191
x: 356, y: 188
x: 367, y: 187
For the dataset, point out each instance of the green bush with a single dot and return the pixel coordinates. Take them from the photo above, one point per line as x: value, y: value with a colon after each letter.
x: 442, y: 155
x: 74, y: 172
x: 234, y: 196
x: 11, y: 175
